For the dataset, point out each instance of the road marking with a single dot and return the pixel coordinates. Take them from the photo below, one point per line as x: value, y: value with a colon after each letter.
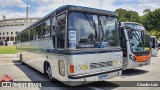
x: 10, y: 64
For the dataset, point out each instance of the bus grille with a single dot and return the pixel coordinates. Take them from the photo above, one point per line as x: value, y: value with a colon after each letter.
x: 93, y: 65
x: 109, y: 63
x: 101, y: 64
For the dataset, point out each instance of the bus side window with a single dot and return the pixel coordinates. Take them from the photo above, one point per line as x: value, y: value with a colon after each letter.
x: 46, y: 29
x: 18, y: 39
x: 38, y: 32
x: 26, y: 36
x: 21, y: 38
x: 61, y: 23
x: 32, y: 34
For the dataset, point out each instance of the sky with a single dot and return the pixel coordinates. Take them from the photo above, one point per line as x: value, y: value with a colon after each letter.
x: 40, y: 8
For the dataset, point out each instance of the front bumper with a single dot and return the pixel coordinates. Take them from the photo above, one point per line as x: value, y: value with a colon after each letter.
x: 75, y: 80
x: 90, y: 75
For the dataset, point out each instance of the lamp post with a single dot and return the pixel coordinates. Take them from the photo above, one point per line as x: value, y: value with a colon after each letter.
x: 63, y: 2
x: 27, y: 10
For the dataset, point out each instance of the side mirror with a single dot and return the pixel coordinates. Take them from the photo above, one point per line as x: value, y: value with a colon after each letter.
x: 159, y: 45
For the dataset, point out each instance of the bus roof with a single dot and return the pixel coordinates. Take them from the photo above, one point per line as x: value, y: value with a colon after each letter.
x: 153, y: 36
x: 73, y: 8
x: 132, y: 23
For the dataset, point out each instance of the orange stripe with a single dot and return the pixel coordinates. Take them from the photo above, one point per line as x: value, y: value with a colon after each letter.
x: 142, y: 58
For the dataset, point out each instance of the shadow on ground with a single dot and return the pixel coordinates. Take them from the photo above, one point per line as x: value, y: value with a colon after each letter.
x: 132, y: 72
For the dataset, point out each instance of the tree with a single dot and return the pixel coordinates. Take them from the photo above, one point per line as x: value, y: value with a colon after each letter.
x: 146, y: 11
x: 127, y: 16
x: 151, y: 20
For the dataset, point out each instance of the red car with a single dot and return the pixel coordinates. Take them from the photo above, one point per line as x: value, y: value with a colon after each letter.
x: 6, y: 78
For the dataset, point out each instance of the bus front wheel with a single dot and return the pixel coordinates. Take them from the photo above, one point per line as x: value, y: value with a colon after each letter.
x: 49, y: 71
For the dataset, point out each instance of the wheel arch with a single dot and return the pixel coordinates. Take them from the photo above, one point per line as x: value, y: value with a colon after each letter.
x: 45, y: 65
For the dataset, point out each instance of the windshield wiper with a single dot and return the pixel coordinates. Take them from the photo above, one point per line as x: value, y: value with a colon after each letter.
x: 144, y: 41
x: 92, y: 24
x: 107, y: 19
x: 140, y: 40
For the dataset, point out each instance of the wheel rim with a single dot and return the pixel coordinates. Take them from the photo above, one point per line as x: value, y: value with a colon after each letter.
x: 49, y: 72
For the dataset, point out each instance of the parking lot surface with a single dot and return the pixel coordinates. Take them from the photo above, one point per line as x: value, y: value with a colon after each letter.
x: 12, y: 67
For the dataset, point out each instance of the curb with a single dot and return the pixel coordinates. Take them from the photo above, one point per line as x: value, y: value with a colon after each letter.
x: 8, y: 55
x: 10, y: 64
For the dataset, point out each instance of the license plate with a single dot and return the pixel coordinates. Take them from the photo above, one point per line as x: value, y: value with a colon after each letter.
x: 103, y: 77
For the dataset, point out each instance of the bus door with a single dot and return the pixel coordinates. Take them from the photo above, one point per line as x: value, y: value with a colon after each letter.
x: 61, y: 33
x: 123, y: 44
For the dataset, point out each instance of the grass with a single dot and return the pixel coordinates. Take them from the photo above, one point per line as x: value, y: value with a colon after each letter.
x: 7, y: 49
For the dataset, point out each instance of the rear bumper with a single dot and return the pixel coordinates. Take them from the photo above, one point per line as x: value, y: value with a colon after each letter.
x: 94, y: 74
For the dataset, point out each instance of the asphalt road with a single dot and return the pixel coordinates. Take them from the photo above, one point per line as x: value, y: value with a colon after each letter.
x: 26, y: 73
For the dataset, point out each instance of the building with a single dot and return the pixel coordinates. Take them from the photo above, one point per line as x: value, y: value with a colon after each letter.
x: 10, y: 27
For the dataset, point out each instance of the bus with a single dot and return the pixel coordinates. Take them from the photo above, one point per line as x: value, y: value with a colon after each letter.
x: 135, y: 43
x: 154, y: 44
x: 158, y: 45
x: 73, y: 43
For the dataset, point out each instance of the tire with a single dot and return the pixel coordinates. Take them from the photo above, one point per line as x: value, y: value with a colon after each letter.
x: 49, y: 71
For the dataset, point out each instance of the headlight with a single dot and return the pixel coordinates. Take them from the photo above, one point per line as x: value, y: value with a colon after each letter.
x: 84, y: 67
x: 132, y: 57
x: 78, y: 68
x: 115, y: 62
x: 119, y: 62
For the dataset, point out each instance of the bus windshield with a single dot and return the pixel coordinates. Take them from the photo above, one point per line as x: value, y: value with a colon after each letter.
x: 139, y: 41
x: 92, y: 31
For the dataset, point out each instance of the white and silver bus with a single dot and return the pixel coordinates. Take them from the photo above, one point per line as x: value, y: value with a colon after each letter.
x: 154, y: 44
x: 135, y: 43
x: 73, y: 43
